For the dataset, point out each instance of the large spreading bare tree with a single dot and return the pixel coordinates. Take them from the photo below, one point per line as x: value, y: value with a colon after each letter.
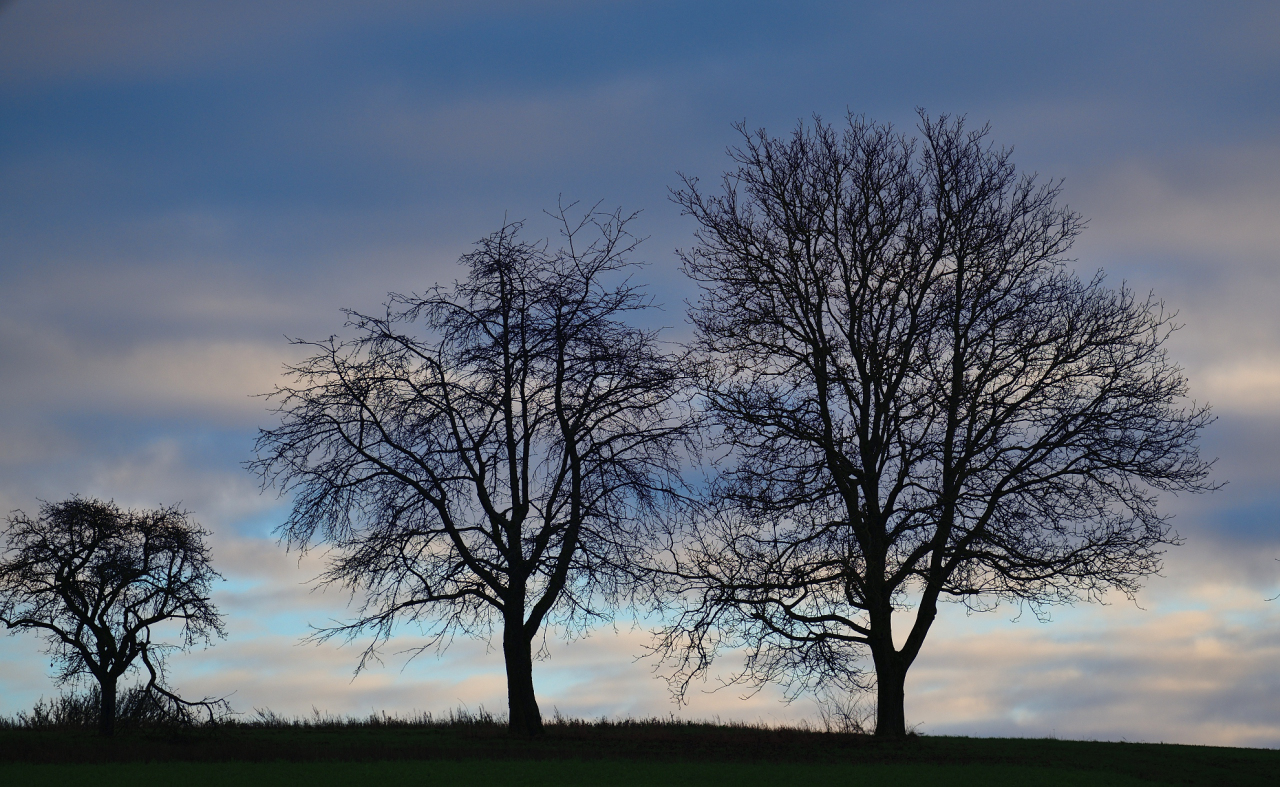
x: 490, y: 455
x: 917, y: 400
x: 98, y: 581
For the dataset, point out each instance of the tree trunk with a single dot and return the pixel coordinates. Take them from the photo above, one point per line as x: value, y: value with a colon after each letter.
x: 891, y: 718
x: 892, y: 665
x: 107, y: 707
x: 525, y: 719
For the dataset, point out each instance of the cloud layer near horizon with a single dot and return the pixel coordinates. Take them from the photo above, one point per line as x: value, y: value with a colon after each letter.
x: 182, y: 186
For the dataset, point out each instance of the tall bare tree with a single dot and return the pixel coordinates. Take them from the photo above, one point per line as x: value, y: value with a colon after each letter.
x: 96, y: 579
x: 918, y: 401
x: 486, y: 456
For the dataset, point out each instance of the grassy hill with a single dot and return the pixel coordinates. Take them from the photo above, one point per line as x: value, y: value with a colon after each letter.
x: 479, y: 752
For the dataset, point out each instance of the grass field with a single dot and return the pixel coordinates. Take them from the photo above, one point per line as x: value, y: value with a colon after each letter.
x: 536, y: 773
x: 573, y: 753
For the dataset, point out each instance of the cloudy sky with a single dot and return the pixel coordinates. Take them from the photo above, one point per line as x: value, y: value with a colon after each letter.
x: 182, y: 185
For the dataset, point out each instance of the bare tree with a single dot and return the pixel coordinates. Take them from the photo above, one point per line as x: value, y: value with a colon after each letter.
x: 97, y: 580
x: 917, y: 401
x: 495, y: 465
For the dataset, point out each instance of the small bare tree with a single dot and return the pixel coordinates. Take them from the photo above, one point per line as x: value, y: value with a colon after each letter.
x: 918, y: 401
x: 97, y: 580
x: 486, y: 456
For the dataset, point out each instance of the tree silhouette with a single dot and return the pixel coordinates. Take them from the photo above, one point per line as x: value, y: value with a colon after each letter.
x: 96, y: 580
x: 486, y: 456
x: 918, y: 402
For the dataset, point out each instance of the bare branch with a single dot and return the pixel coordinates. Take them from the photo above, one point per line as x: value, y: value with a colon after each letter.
x: 916, y: 399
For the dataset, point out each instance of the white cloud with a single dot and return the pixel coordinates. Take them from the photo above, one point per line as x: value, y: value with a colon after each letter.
x: 1245, y: 386
x: 1197, y: 668
x: 210, y: 377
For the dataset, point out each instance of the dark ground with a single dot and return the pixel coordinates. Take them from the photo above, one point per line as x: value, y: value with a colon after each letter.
x: 641, y: 741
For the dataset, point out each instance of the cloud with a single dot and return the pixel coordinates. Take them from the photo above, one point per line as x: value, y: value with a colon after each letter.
x: 154, y: 39
x: 184, y: 183
x: 216, y: 379
x: 516, y: 131
x: 1246, y: 386
x: 1191, y: 669
x: 593, y: 677
x: 1210, y: 202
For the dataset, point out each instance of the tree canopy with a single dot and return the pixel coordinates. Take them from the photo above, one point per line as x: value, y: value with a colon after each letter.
x: 98, y: 580
x: 917, y: 399
x: 490, y: 455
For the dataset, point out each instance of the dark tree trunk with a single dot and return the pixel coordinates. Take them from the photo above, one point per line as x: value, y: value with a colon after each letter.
x: 891, y: 665
x: 525, y: 719
x: 107, y: 708
x: 891, y: 675
x: 891, y: 679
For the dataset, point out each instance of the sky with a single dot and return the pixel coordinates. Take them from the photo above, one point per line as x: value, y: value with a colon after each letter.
x: 184, y: 185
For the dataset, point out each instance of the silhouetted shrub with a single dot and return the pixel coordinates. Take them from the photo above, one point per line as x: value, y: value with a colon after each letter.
x: 136, y: 708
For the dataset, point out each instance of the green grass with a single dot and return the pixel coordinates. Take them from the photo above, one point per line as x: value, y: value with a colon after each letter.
x: 557, y: 773
x: 653, y: 752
